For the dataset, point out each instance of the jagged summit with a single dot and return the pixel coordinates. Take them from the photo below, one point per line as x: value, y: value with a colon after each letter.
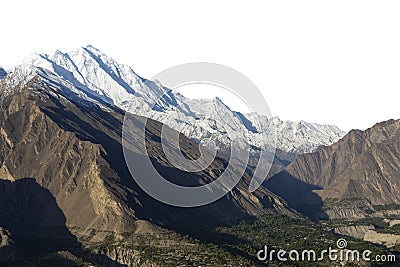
x: 92, y: 48
x: 99, y: 76
x: 33, y: 77
x: 90, y: 70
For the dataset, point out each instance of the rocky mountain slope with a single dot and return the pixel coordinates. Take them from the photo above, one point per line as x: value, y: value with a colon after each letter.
x: 71, y: 149
x: 355, y: 177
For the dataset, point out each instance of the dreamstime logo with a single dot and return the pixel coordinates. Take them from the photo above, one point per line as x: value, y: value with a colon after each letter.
x: 341, y: 243
x: 341, y: 253
x: 134, y: 137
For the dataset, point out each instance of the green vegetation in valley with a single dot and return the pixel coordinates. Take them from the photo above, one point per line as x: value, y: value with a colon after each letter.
x: 236, y: 245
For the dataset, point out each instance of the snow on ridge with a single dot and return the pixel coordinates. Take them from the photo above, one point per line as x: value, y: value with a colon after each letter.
x: 21, y: 76
x: 94, y: 73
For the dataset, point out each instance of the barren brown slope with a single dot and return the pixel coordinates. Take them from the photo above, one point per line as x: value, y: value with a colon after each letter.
x: 352, y: 176
x: 73, y: 149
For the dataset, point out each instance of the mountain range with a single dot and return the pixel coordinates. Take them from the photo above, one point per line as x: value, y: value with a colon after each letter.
x: 100, y: 77
x: 61, y: 149
x: 64, y: 182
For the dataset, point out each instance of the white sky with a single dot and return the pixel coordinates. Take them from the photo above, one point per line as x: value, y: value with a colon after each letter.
x: 335, y: 62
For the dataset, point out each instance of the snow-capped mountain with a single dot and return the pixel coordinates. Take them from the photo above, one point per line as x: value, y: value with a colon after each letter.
x: 297, y: 137
x: 89, y: 73
x: 99, y: 75
x: 20, y: 76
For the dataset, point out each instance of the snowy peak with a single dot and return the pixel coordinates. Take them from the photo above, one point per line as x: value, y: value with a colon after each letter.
x: 297, y: 137
x: 93, y: 49
x: 89, y: 73
x: 32, y: 77
x: 90, y: 70
x: 208, y: 107
x: 18, y: 77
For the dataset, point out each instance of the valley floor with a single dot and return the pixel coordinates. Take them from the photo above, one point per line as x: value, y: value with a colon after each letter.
x: 235, y: 245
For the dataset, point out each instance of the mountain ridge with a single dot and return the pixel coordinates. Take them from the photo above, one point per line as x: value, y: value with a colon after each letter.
x: 95, y: 73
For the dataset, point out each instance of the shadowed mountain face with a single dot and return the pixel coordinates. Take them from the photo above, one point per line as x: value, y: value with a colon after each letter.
x: 31, y: 216
x: 353, y: 176
x: 73, y: 149
x: 31, y: 224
